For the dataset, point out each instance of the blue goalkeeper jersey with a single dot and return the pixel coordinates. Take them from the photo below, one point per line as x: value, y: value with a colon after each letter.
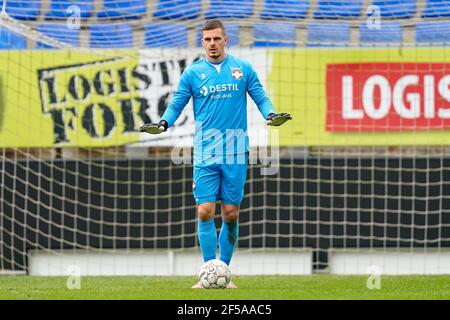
x: 220, y: 105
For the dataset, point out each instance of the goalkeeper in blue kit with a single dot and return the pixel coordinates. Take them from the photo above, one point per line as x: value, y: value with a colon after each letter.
x: 219, y: 84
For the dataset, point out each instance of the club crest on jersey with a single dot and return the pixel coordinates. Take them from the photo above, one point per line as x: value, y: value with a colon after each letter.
x: 236, y: 73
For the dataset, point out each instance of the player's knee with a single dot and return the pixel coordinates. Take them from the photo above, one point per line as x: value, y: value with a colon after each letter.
x: 230, y: 213
x: 206, y: 211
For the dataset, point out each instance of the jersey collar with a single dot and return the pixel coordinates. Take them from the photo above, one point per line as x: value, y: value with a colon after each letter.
x: 220, y: 62
x: 217, y: 65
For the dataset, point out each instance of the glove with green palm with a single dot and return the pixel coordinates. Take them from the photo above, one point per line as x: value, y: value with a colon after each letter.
x: 276, y: 120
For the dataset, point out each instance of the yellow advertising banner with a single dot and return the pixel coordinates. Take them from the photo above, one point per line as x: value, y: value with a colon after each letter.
x: 62, y: 98
x: 362, y: 96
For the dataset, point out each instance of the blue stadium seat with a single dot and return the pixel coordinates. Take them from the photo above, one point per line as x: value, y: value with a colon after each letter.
x: 23, y: 10
x: 220, y: 9
x: 285, y: 9
x: 396, y: 8
x: 436, y: 9
x: 338, y: 9
x: 328, y: 34
x: 231, y: 29
x: 388, y: 33
x: 166, y: 35
x: 123, y: 9
x: 59, y: 32
x: 11, y: 40
x: 58, y: 9
x: 111, y: 36
x: 274, y: 35
x: 177, y: 9
x: 433, y: 33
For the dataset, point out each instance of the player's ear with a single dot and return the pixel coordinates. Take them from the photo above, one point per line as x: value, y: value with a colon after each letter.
x: 225, y: 39
x: 202, y: 41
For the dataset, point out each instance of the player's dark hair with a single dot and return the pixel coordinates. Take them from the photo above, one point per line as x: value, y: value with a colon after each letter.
x: 213, y: 24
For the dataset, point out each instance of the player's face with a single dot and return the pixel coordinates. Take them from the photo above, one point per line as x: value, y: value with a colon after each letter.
x: 214, y: 41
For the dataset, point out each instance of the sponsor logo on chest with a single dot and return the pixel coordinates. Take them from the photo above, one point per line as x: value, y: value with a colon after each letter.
x: 223, y: 88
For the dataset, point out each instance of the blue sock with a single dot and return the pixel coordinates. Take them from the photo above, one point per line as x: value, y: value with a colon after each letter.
x: 207, y: 237
x: 227, y: 240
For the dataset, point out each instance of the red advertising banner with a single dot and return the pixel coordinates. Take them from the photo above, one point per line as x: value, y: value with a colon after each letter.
x: 371, y: 97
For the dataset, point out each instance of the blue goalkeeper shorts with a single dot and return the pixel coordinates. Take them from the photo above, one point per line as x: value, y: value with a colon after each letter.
x: 221, y: 181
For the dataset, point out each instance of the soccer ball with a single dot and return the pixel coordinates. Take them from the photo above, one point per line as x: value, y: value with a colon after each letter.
x: 214, y: 274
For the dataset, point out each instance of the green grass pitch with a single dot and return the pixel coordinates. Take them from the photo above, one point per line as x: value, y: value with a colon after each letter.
x: 312, y: 287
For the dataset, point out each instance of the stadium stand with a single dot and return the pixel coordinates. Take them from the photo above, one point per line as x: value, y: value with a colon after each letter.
x: 328, y: 35
x: 11, y: 40
x: 59, y: 9
x: 285, y: 9
x: 433, y: 34
x: 123, y: 9
x: 274, y: 34
x: 223, y: 9
x: 111, y: 36
x: 396, y: 9
x: 338, y: 9
x: 179, y: 9
x: 166, y: 35
x: 232, y: 30
x: 59, y: 32
x: 436, y: 9
x: 23, y: 10
x: 388, y: 33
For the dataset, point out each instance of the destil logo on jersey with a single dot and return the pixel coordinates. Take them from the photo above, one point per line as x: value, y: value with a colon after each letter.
x: 219, y: 91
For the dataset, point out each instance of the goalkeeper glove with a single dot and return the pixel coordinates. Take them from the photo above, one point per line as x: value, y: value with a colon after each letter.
x: 277, y: 119
x: 155, y: 128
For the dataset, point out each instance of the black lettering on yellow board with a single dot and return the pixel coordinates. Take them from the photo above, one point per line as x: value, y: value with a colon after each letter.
x: 123, y: 80
x: 143, y: 106
x: 79, y: 87
x: 100, y: 96
x: 89, y: 123
x: 142, y: 76
x: 103, y: 86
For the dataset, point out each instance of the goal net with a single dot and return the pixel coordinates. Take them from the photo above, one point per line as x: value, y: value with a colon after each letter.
x: 358, y: 181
